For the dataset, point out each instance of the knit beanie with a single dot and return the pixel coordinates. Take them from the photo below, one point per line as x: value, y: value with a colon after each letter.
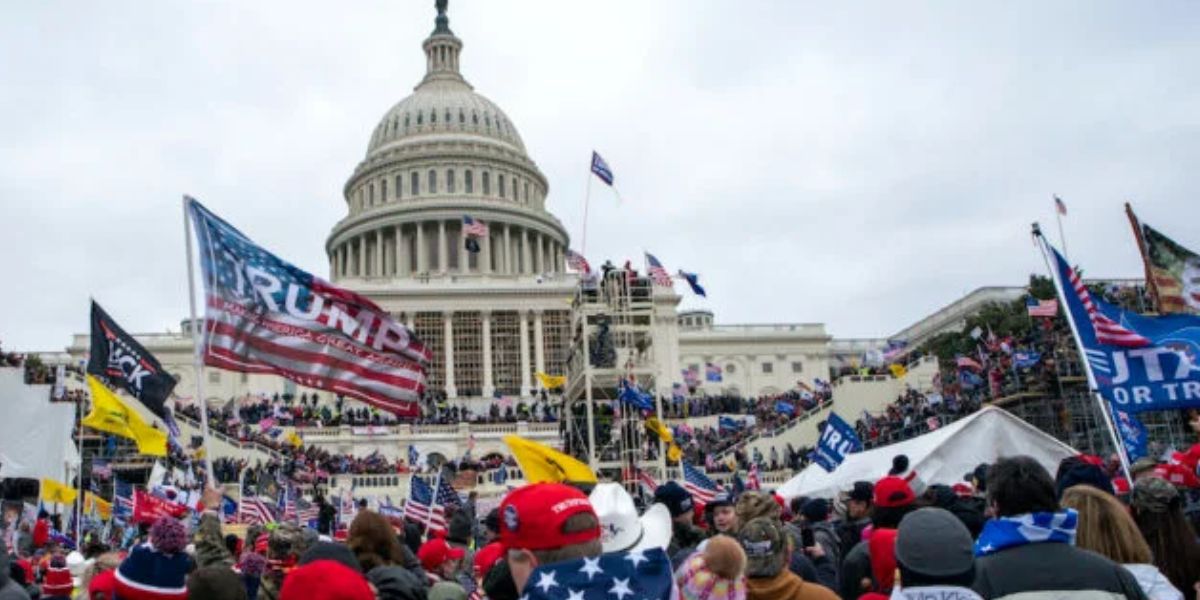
x: 156, y: 570
x: 57, y: 581
x: 717, y: 573
x: 252, y: 565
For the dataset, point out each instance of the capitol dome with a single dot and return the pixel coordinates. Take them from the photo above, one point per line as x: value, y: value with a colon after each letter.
x: 443, y: 153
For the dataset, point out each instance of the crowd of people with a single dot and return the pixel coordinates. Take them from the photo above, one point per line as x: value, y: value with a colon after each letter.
x: 1007, y: 530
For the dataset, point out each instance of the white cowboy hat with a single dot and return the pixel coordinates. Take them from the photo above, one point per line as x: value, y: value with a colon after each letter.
x: 620, y: 527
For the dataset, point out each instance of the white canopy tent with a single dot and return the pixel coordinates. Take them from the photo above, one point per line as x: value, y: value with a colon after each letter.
x: 940, y: 456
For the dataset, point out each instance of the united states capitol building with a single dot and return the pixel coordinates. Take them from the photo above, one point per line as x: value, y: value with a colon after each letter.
x: 495, y: 317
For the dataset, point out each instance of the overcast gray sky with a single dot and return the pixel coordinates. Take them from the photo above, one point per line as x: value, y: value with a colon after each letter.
x: 859, y: 164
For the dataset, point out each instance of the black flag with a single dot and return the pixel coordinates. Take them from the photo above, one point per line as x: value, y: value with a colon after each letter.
x: 115, y: 355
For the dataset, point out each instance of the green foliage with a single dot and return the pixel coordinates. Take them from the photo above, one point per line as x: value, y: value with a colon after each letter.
x: 1003, y: 318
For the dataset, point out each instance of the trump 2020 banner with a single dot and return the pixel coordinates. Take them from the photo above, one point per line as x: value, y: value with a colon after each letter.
x: 265, y: 315
x: 837, y: 441
x: 1140, y: 363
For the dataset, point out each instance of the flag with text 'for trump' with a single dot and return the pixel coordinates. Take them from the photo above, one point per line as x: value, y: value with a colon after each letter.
x: 1139, y: 362
x: 837, y: 441
x: 265, y: 315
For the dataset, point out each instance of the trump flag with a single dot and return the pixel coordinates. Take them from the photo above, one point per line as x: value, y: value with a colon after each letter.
x: 265, y: 315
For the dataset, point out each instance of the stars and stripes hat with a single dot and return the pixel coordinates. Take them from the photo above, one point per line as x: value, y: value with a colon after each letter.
x: 532, y: 517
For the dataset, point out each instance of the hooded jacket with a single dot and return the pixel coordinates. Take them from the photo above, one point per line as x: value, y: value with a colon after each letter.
x: 786, y: 586
x: 396, y: 583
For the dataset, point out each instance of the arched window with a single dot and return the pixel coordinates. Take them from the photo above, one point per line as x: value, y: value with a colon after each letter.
x: 450, y: 181
x: 447, y: 116
x: 487, y: 120
x: 371, y: 194
x: 526, y: 192
x: 432, y: 116
x: 383, y: 190
x: 514, y: 189
x: 431, y: 182
x: 475, y: 118
x: 406, y: 120
x: 468, y: 182
x: 487, y: 183
x: 500, y: 185
x: 399, y: 187
x: 420, y: 118
x: 462, y: 117
x: 416, y: 184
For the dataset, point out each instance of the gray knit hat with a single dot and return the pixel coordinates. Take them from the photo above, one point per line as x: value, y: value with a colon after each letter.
x: 933, y: 542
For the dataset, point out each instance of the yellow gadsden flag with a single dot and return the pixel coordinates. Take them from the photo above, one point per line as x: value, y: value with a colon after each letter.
x: 53, y: 491
x: 543, y: 464
x: 96, y: 505
x: 111, y: 415
x: 293, y: 438
x: 551, y: 382
x: 898, y: 370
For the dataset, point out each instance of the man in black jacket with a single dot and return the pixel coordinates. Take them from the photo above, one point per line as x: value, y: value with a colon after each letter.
x: 1028, y: 550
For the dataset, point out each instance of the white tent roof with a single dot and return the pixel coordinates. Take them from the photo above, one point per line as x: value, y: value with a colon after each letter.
x: 940, y: 456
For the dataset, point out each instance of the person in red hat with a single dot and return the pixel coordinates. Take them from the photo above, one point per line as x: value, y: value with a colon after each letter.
x: 870, y: 566
x: 325, y: 580
x: 440, y: 560
x: 546, y: 523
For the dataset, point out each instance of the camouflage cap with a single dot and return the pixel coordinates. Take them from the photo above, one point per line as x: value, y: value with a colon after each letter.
x: 752, y: 505
x: 765, y: 545
x: 1153, y: 494
x: 286, y: 540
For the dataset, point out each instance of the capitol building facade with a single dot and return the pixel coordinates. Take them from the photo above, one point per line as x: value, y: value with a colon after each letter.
x: 497, y: 315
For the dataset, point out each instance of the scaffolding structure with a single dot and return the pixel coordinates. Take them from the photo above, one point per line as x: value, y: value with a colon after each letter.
x: 612, y: 341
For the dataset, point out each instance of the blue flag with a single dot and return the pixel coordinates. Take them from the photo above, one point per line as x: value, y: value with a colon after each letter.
x: 837, y: 441
x: 631, y: 394
x: 1133, y: 434
x: 1025, y: 360
x: 693, y: 281
x: 784, y: 408
x: 725, y: 423
x: 1140, y: 363
x: 600, y: 168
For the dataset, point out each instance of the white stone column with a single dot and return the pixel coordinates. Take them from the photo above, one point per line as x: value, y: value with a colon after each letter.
x: 422, y: 251
x: 378, y: 253
x: 464, y: 257
x: 508, y: 263
x: 362, y: 256
x: 489, y: 387
x: 401, y: 254
x: 526, y: 255
x: 524, y: 354
x: 485, y: 255
x: 539, y: 346
x: 448, y: 352
x: 443, y: 258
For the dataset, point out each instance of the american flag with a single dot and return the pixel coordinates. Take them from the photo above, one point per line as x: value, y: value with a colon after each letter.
x: 966, y: 362
x: 698, y: 484
x: 752, y: 481
x: 307, y: 512
x: 287, y: 504
x: 420, y: 505
x: 647, y: 481
x: 446, y: 498
x: 122, y: 499
x: 577, y: 262
x: 255, y: 510
x: 600, y: 168
x: 1107, y: 330
x: 636, y: 574
x: 657, y: 272
x: 712, y: 372
x: 1041, y: 308
x: 474, y: 227
x: 1060, y: 206
x: 101, y: 469
x: 265, y: 315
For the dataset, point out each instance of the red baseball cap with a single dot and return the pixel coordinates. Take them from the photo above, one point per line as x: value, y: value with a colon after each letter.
x: 1179, y: 475
x: 893, y: 491
x: 436, y: 551
x: 487, y: 557
x: 532, y: 517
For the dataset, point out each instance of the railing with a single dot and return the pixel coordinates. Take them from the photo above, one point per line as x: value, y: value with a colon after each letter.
x: 776, y: 431
x: 251, y: 445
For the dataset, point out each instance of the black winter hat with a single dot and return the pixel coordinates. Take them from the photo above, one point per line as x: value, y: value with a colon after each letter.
x: 672, y: 495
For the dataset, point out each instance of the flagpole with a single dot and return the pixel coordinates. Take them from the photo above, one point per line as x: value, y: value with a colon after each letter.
x: 587, y: 195
x: 1061, y: 236
x: 197, y: 358
x: 1093, y: 388
x: 79, y: 441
